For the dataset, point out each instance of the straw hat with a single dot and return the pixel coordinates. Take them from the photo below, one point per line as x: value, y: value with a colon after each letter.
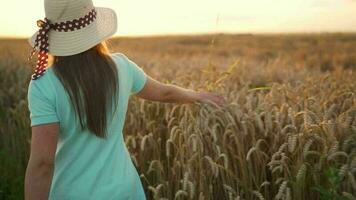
x: 70, y: 27
x: 76, y: 36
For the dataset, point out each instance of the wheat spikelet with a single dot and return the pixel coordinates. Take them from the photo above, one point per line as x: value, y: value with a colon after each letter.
x: 229, y: 189
x: 171, y: 121
x: 291, y: 116
x: 182, y: 122
x: 337, y: 154
x: 225, y: 160
x: 311, y: 153
x: 307, y: 146
x: 282, y: 147
x: 213, y: 132
x: 130, y: 140
x: 259, y: 143
x: 285, y: 159
x: 249, y: 103
x: 220, y: 120
x: 194, y: 145
x: 159, y: 187
x: 259, y: 123
x: 231, y: 119
x: 275, y: 156
x: 264, y: 184
x: 143, y: 142
x: 193, y: 141
x: 301, y: 173
x: 278, y: 126
x: 258, y: 194
x: 343, y: 170
x: 218, y: 150
x: 193, y: 159
x: 268, y: 121
x: 272, y: 163
x: 244, y: 128
x: 287, y: 127
x: 131, y: 118
x: 185, y: 181
x: 348, y: 144
x: 231, y: 196
x: 320, y: 139
x: 180, y: 194
x: 154, y: 191
x: 174, y: 131
x: 351, y: 179
x: 191, y: 189
x: 213, y: 166
x: 331, y: 112
x: 348, y: 103
x: 329, y: 128
x: 307, y: 120
x: 277, y: 168
x: 281, y: 190
x: 334, y: 147
x: 277, y: 116
x: 263, y: 154
x: 353, y: 163
x: 249, y: 153
x: 173, y: 110
x: 155, y: 165
x: 348, y: 121
x: 142, y: 176
x: 142, y: 107
x: 292, y: 143
x: 353, y: 152
x: 226, y: 136
x: 190, y: 127
x: 169, y: 147
x: 283, y: 114
x: 201, y: 196
x: 288, y: 194
x: 348, y: 196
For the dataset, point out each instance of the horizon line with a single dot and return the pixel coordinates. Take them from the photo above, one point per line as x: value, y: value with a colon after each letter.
x: 211, y: 33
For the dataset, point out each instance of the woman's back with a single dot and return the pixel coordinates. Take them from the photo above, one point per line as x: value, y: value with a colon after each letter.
x: 78, y: 152
x: 86, y: 166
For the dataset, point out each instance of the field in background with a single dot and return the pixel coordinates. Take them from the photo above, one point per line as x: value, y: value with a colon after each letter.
x: 288, y: 132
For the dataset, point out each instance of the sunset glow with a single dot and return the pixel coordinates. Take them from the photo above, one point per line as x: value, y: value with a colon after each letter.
x: 135, y: 18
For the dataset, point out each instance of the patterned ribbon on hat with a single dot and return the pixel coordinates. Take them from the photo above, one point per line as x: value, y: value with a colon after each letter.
x: 41, y: 41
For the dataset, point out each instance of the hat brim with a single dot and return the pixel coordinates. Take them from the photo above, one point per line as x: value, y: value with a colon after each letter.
x: 74, y: 42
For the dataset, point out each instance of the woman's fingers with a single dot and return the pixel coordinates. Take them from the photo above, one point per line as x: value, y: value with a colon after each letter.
x: 216, y: 98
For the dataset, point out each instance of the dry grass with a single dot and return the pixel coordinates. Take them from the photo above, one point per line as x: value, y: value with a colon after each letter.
x: 291, y: 116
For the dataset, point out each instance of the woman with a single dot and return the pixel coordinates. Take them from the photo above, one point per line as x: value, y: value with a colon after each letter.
x: 78, y: 106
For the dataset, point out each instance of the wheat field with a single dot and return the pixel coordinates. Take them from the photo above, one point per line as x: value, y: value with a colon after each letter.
x: 287, y: 132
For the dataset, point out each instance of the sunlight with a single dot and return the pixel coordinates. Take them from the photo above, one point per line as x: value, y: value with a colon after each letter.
x: 181, y: 17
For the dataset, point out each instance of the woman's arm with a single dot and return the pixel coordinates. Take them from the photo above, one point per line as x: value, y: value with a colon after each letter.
x: 156, y: 91
x: 40, y: 166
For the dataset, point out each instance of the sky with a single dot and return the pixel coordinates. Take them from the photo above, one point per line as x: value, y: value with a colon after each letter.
x: 161, y: 17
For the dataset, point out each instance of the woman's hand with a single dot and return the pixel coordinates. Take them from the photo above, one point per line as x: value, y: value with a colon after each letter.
x: 209, y: 96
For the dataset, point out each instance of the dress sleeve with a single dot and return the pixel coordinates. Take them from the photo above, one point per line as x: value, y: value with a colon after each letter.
x: 41, y: 106
x: 139, y: 77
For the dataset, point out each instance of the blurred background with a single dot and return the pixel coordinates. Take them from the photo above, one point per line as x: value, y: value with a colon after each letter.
x: 158, y: 17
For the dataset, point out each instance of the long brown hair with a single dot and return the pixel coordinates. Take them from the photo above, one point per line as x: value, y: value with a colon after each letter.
x: 91, y: 80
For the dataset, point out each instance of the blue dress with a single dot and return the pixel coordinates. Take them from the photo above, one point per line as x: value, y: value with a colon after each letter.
x: 88, y: 167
